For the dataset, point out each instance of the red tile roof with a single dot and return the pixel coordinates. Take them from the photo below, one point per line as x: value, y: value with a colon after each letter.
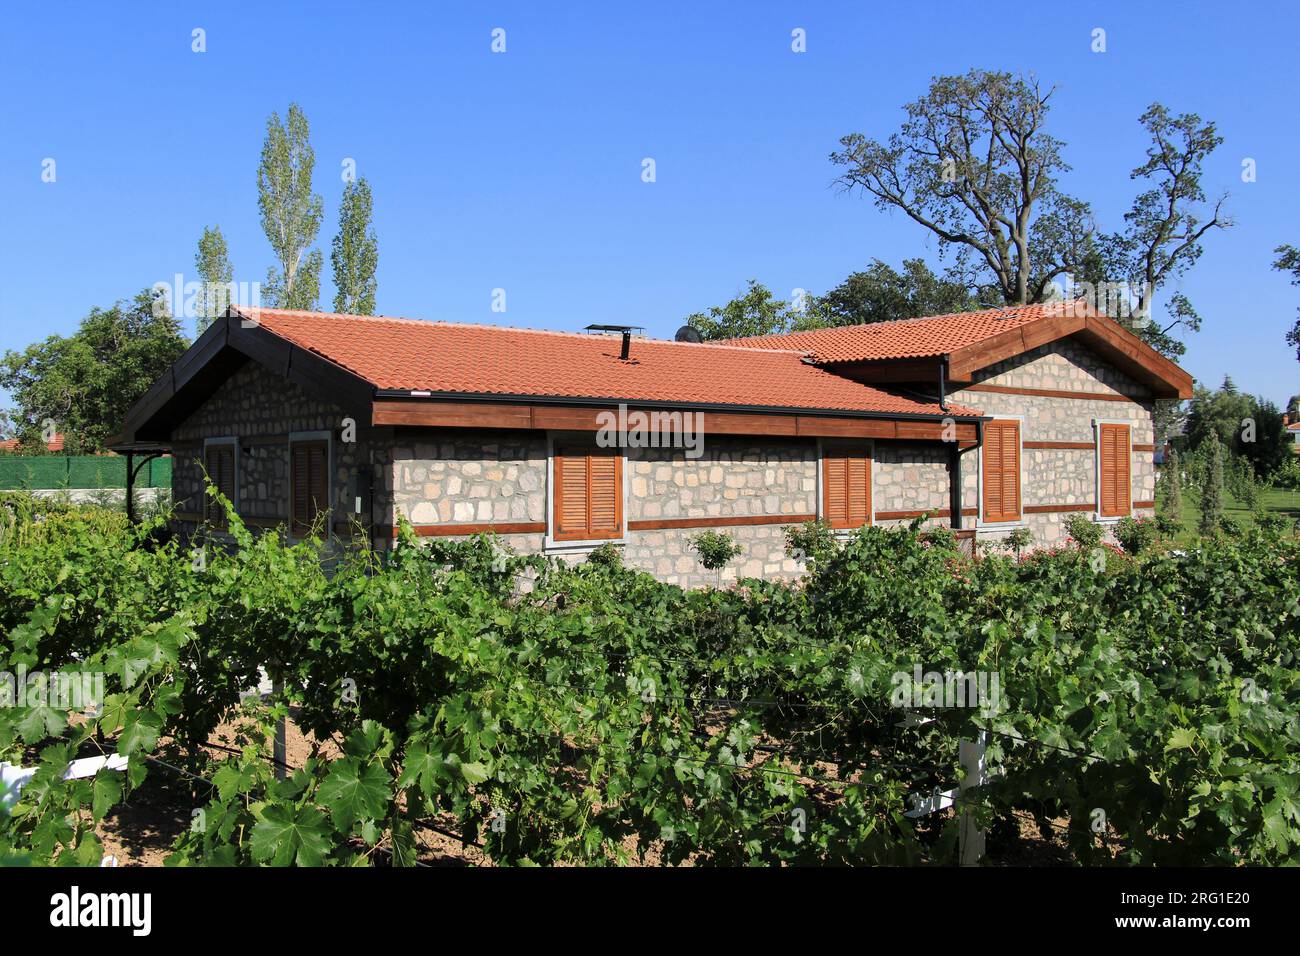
x: 911, y: 338
x: 444, y: 357
x: 54, y: 444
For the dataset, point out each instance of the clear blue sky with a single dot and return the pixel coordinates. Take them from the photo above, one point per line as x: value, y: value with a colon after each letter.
x: 523, y: 170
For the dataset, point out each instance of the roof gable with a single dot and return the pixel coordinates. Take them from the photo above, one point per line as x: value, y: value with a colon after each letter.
x: 971, y: 341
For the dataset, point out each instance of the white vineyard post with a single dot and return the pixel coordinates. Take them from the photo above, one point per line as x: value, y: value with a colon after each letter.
x: 280, y: 751
x: 971, y: 754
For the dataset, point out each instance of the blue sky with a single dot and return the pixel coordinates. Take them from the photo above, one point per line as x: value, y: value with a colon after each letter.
x: 522, y: 170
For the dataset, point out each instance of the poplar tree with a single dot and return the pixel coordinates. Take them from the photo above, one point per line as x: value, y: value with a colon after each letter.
x: 1212, y: 494
x: 355, y: 254
x: 213, y: 264
x: 291, y: 212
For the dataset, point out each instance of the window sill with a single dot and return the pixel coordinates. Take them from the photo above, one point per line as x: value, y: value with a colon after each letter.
x: 553, y: 547
x: 997, y: 527
x: 1112, y: 519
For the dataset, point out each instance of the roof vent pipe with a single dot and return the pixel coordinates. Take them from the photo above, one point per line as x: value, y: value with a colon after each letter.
x: 625, y: 330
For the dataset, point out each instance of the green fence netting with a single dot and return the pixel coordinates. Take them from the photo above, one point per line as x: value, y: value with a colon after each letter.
x: 79, y: 471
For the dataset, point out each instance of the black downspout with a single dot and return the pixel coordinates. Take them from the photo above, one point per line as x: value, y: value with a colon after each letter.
x: 954, y: 484
x: 130, y: 491
x: 943, y: 384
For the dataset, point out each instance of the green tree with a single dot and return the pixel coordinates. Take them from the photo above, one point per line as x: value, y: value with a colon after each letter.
x: 1219, y: 413
x: 291, y: 212
x: 1288, y: 260
x: 355, y: 254
x: 1212, y: 490
x: 974, y: 165
x: 880, y: 293
x: 1163, y: 229
x: 213, y: 264
x: 85, y: 383
x: 1266, y: 444
x: 754, y: 312
x: 1171, y: 477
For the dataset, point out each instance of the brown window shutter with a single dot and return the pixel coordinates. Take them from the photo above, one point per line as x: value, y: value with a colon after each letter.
x: 1002, y: 471
x: 309, y: 484
x: 220, y: 463
x: 588, y: 496
x: 846, y: 488
x: 1116, y: 478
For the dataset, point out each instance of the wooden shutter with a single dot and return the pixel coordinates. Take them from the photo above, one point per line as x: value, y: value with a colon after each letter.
x: 588, y: 494
x: 309, y: 484
x: 1001, y: 457
x: 219, y: 460
x: 846, y: 487
x: 1116, y: 484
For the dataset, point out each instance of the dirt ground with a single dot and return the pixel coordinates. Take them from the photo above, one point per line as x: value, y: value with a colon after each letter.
x: 141, y: 832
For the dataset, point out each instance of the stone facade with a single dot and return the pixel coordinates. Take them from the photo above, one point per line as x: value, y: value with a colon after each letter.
x: 752, y: 489
x: 1061, y: 476
x: 465, y: 478
x: 262, y: 410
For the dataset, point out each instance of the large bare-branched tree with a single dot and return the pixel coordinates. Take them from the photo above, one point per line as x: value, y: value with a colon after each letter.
x: 974, y: 164
x: 1162, y: 233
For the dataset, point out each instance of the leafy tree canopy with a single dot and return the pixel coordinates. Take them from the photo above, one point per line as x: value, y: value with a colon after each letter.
x: 85, y: 383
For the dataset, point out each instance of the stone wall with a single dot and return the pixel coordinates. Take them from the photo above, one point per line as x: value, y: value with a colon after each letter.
x: 1060, y: 476
x: 262, y: 409
x: 733, y: 478
x: 461, y: 477
x: 910, y: 476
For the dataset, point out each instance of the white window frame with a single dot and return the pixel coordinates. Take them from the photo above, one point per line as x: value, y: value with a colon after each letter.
x: 328, y: 437
x: 234, y: 497
x: 549, y: 544
x: 1096, y: 469
x: 821, y: 472
x: 980, y: 521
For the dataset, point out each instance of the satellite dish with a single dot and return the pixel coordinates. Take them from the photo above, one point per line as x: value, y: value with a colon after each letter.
x: 688, y: 333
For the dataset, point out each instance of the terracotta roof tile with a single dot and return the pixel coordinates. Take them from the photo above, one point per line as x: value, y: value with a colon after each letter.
x: 443, y: 357
x: 908, y: 338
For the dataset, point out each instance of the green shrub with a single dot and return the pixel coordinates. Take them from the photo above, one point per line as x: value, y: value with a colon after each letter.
x: 810, y: 541
x: 1085, y: 532
x: 1288, y: 475
x: 1135, y: 535
x: 714, y: 549
x: 1019, y: 539
x: 607, y: 555
x: 1212, y: 491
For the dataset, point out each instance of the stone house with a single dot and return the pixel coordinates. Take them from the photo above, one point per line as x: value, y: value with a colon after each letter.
x: 558, y: 442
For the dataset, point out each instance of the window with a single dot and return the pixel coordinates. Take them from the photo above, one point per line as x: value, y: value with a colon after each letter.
x: 846, y: 487
x: 588, y: 494
x: 1001, y: 456
x: 220, y: 459
x: 1115, y: 482
x: 308, y: 484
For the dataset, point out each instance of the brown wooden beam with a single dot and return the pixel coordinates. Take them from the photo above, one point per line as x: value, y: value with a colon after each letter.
x: 1058, y: 509
x: 450, y: 530
x: 662, y: 524
x: 1050, y: 393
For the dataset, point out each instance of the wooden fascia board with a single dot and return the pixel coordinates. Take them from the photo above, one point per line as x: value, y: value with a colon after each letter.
x: 1116, y: 344
x: 181, y: 372
x: 507, y: 415
x: 1161, y: 372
